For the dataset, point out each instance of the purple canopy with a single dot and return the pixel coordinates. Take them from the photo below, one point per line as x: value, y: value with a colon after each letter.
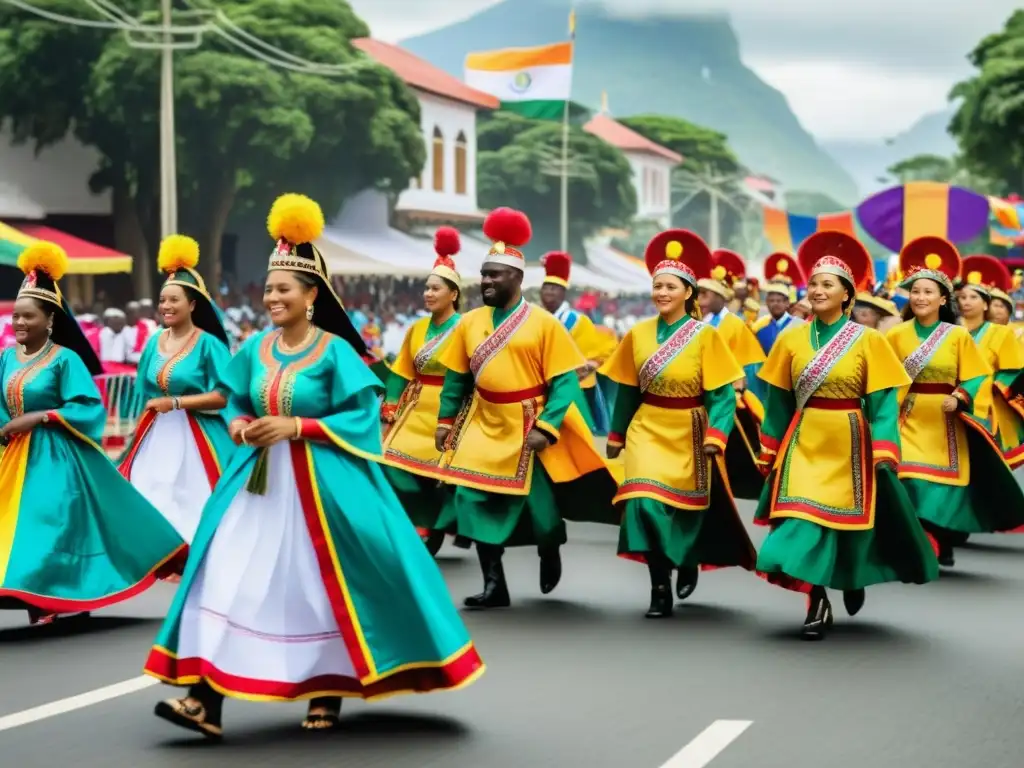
x: 911, y: 210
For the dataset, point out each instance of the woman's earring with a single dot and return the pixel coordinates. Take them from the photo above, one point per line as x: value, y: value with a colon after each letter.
x: 49, y: 330
x: 309, y: 313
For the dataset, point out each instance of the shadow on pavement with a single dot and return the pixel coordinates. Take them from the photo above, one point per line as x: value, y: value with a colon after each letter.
x: 369, y: 728
x: 985, y: 546
x: 73, y: 626
x: 969, y: 578
x: 849, y: 632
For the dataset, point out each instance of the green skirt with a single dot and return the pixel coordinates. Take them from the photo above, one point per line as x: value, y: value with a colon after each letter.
x: 991, y: 501
x: 713, y: 537
x: 421, y: 497
x: 536, y: 519
x: 797, y: 553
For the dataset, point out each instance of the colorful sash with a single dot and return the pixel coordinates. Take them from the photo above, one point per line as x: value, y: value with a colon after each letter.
x: 918, y: 359
x: 422, y: 358
x: 824, y: 360
x: 496, y: 342
x: 567, y: 316
x: 668, y: 352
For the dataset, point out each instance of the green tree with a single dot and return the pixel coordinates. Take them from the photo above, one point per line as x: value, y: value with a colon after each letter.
x: 809, y: 203
x: 246, y: 130
x: 518, y: 166
x: 709, y: 167
x: 989, y: 122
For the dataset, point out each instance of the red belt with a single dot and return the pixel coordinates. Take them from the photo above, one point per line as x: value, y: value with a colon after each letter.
x: 430, y: 381
x: 831, y: 404
x: 516, y: 396
x: 677, y: 403
x: 932, y: 389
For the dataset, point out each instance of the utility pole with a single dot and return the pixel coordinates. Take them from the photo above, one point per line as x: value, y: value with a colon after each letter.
x: 168, y: 160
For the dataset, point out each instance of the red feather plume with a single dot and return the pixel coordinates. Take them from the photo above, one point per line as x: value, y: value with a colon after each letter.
x: 505, y: 225
x: 447, y: 241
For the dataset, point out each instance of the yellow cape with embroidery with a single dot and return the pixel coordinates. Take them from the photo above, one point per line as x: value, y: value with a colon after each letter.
x: 952, y: 466
x: 1004, y: 353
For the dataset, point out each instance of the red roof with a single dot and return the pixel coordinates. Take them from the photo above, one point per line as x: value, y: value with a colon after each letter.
x: 423, y: 75
x: 627, y: 139
x: 86, y: 258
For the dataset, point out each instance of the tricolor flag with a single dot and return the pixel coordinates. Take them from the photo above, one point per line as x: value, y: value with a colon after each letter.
x: 535, y: 82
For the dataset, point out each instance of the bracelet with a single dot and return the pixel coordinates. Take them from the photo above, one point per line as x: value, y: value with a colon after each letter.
x: 298, y: 428
x: 176, y: 403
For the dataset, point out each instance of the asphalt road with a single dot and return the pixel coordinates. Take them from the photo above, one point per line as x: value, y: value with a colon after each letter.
x: 924, y: 676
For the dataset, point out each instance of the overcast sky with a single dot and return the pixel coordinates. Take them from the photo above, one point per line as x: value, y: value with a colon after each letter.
x: 851, y: 69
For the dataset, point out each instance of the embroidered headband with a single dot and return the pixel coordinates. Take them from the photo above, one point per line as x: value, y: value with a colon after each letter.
x: 43, y: 263
x: 296, y: 220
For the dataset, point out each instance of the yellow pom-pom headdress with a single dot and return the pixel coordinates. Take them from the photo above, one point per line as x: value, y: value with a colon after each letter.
x: 44, y: 264
x: 294, y: 222
x: 178, y: 258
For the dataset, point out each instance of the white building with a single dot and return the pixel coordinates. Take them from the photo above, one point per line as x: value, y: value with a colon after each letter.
x: 446, y: 191
x: 652, y: 166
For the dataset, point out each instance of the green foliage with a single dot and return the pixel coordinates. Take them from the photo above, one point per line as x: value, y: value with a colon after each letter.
x: 246, y: 131
x: 989, y: 122
x: 517, y: 166
x: 808, y: 203
x: 703, y: 149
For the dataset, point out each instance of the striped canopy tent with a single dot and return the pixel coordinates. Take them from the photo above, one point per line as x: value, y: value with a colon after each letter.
x: 84, y: 258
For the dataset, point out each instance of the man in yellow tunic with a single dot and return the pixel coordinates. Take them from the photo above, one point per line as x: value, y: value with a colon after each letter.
x: 595, y: 346
x: 742, y: 451
x: 515, y: 445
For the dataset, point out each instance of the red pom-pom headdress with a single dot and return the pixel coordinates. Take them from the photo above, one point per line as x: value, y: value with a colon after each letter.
x: 509, y: 230
x: 986, y: 274
x: 557, y: 265
x: 783, y: 274
x: 726, y: 268
x: 447, y: 243
x: 839, y: 254
x: 678, y: 252
x: 933, y: 258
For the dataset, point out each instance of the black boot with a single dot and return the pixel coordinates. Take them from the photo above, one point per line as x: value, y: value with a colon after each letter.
x: 550, y: 569
x: 462, y: 542
x: 853, y: 600
x: 495, y: 594
x: 661, y: 592
x: 819, y: 616
x: 686, y: 581
x: 433, y: 542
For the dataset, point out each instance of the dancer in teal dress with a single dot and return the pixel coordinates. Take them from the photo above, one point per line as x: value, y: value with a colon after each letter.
x: 306, y: 579
x: 181, y: 443
x: 74, y: 535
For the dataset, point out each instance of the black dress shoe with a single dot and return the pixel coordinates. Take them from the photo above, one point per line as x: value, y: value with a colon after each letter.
x: 686, y: 581
x: 461, y: 542
x: 550, y: 570
x: 853, y: 600
x: 946, y: 559
x: 819, y: 617
x: 495, y: 593
x: 661, y: 603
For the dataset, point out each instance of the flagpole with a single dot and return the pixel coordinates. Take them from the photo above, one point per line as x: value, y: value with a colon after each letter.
x: 564, y: 207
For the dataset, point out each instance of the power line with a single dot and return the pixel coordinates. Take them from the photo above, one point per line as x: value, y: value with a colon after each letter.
x: 161, y: 37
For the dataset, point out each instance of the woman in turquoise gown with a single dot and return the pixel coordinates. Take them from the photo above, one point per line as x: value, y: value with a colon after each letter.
x: 306, y: 579
x: 74, y: 535
x: 181, y: 443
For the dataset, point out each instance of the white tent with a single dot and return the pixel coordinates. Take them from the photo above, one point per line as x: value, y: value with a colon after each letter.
x: 628, y: 273
x: 15, y: 204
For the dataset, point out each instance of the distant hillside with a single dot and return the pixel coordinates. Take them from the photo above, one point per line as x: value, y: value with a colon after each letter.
x: 689, y: 68
x: 867, y: 161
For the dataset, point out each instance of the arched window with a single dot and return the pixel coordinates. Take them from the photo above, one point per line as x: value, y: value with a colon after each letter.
x: 461, y: 163
x: 437, y: 160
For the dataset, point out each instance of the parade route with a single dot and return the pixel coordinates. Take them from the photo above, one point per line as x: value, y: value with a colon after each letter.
x: 923, y: 676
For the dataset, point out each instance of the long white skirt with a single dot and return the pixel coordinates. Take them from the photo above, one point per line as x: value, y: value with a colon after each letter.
x: 258, y: 608
x: 168, y: 470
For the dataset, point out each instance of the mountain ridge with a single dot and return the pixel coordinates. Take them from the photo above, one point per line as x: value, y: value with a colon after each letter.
x: 684, y: 67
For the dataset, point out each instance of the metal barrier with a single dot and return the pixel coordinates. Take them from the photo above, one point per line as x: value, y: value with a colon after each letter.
x: 124, y: 407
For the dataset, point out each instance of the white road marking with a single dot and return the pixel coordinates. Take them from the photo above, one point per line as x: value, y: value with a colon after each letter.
x: 82, y: 700
x: 709, y: 744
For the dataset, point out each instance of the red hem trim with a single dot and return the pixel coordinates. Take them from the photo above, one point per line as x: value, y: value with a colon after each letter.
x: 770, y: 443
x: 63, y: 605
x: 447, y: 421
x: 615, y: 437
x: 189, y: 671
